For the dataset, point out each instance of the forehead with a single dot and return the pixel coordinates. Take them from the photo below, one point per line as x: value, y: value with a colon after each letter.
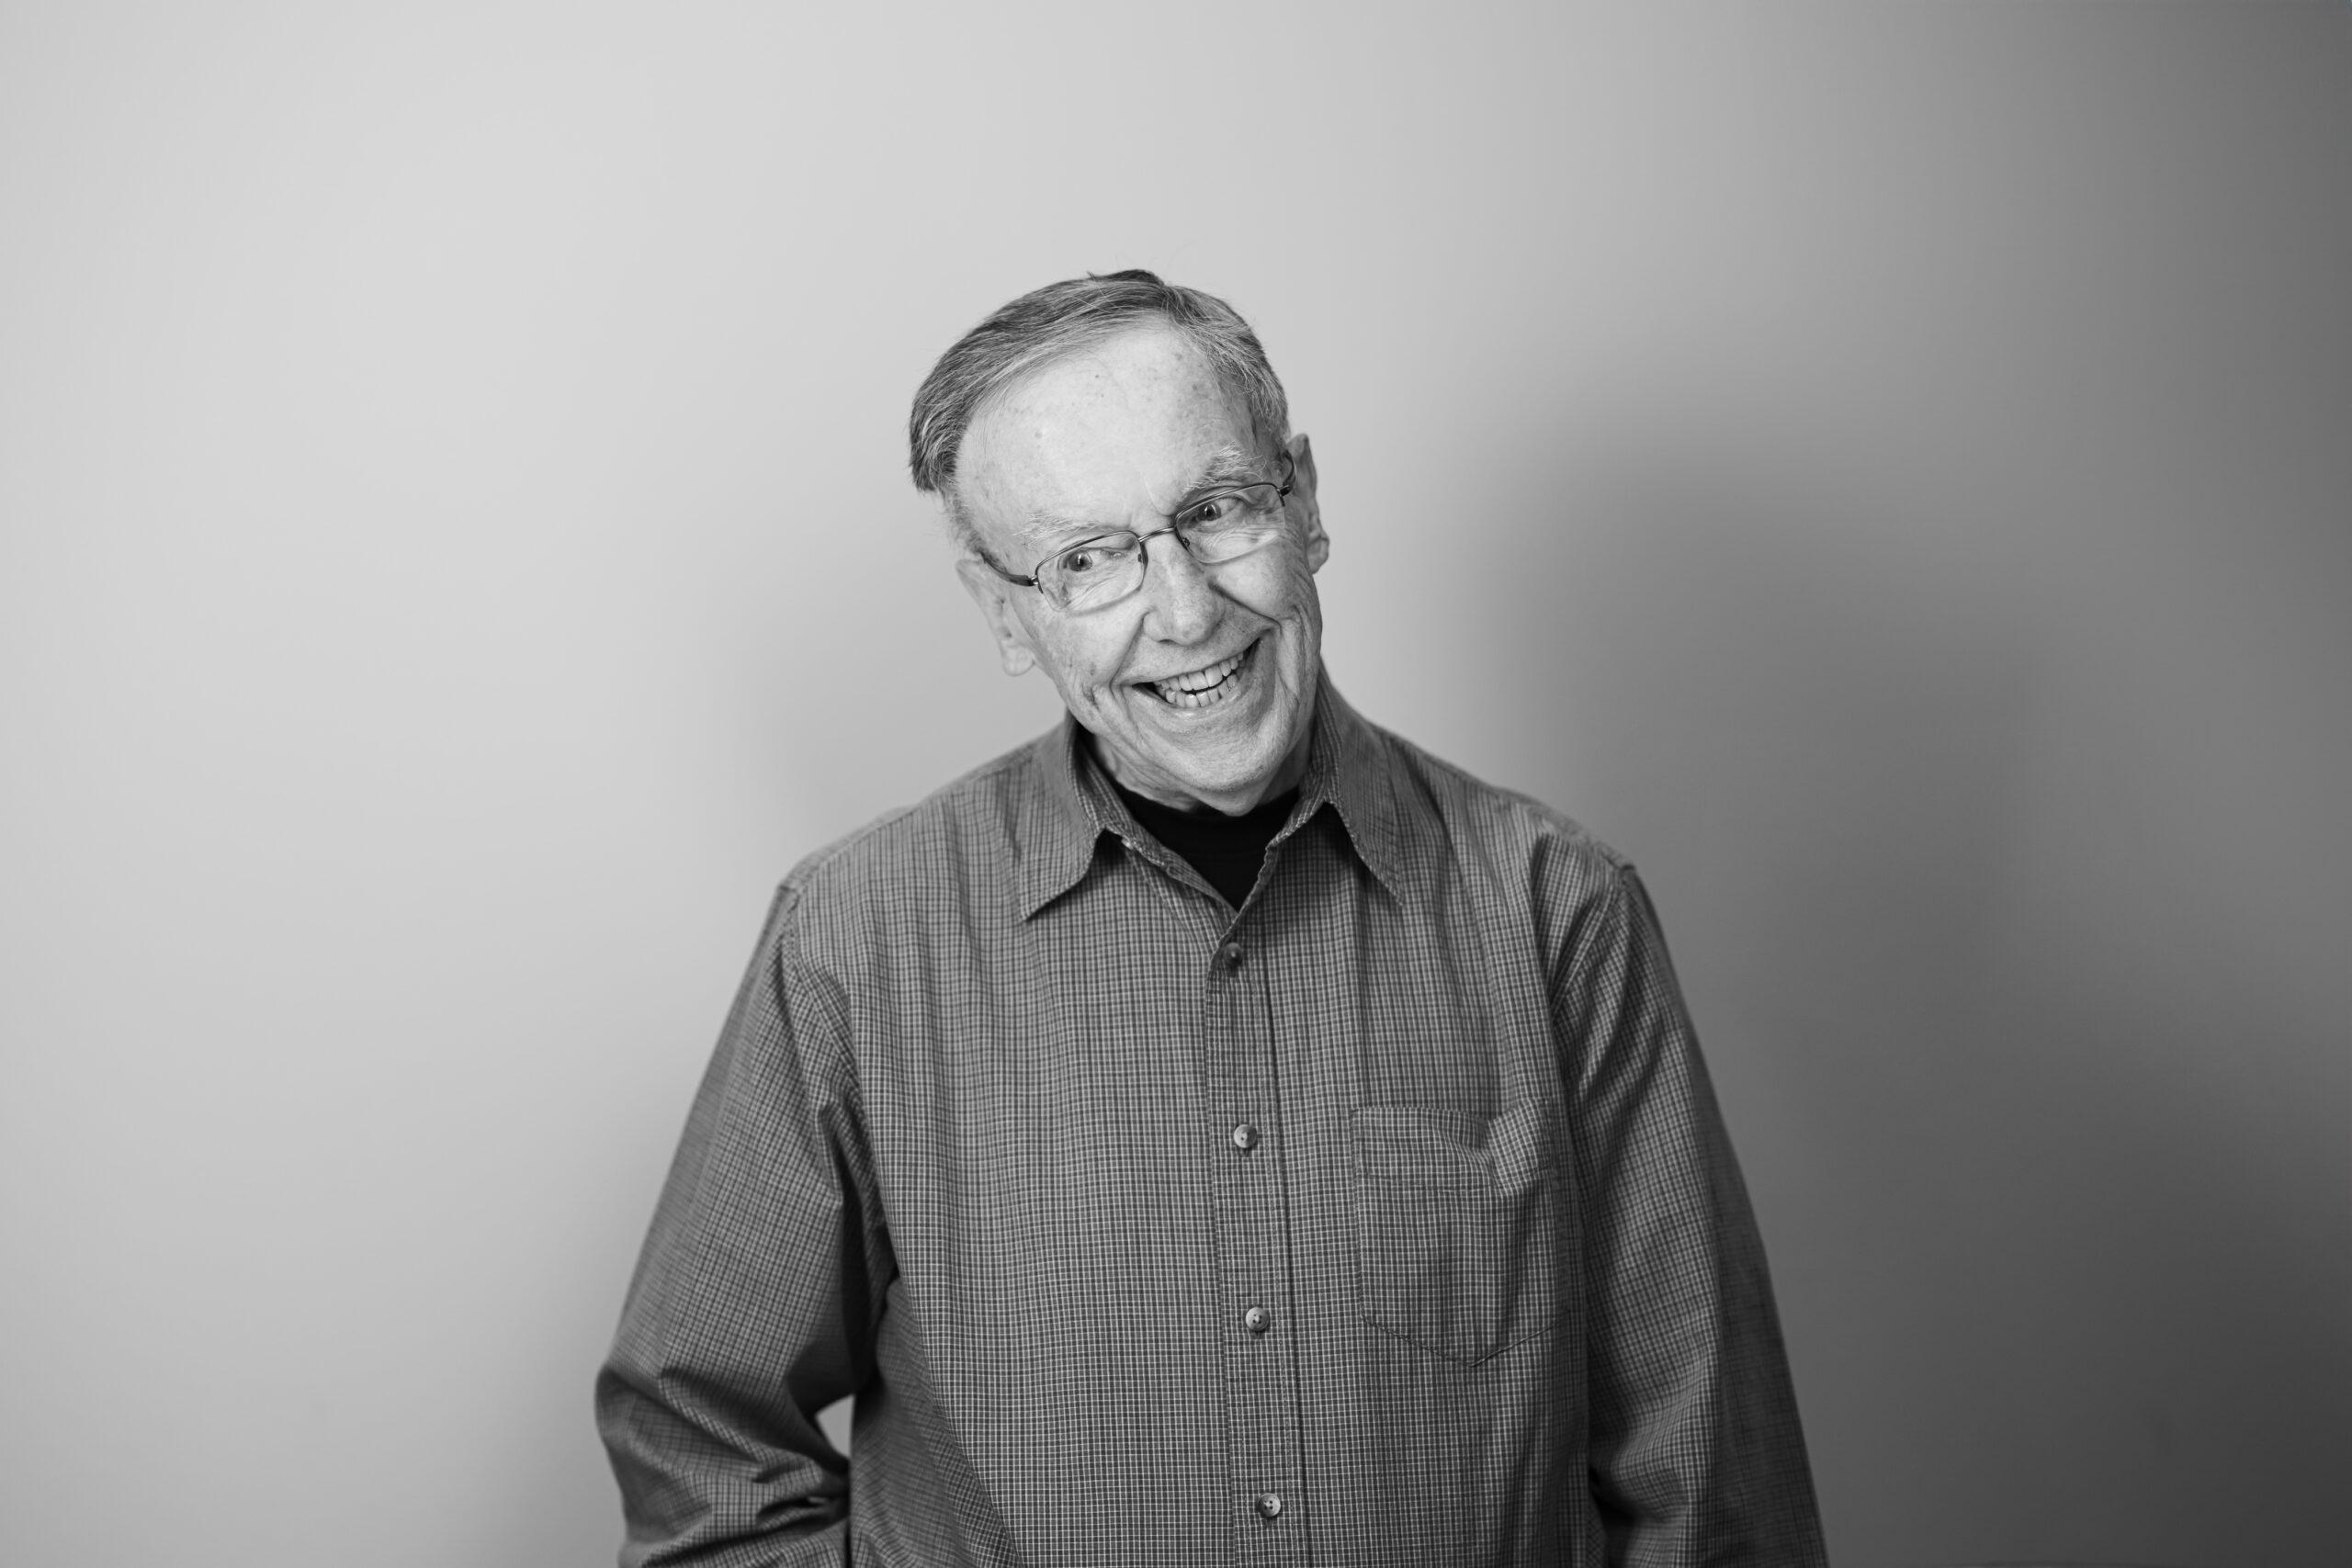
x: 1119, y: 427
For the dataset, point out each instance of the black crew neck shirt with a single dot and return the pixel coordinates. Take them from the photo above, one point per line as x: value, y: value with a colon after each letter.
x: 1226, y: 850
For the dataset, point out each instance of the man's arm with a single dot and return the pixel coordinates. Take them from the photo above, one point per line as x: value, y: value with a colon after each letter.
x: 1696, y: 1454
x: 757, y: 1296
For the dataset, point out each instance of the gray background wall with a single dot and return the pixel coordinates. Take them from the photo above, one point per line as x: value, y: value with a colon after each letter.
x: 1884, y: 466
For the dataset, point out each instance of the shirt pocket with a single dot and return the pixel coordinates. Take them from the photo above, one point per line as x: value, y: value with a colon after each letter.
x: 1457, y: 1226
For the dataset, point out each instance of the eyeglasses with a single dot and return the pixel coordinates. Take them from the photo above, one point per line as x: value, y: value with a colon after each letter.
x: 1222, y: 525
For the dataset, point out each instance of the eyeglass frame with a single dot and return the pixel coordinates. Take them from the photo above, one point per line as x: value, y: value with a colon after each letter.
x: 1282, y: 493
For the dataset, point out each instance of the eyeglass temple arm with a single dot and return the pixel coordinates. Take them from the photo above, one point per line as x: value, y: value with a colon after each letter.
x: 1012, y: 577
x: 1290, y: 477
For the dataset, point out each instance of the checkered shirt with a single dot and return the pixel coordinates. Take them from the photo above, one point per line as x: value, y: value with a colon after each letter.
x: 1388, y: 1220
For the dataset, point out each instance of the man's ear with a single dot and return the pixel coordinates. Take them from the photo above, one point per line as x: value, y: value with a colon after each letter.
x: 993, y: 594
x: 1302, y: 502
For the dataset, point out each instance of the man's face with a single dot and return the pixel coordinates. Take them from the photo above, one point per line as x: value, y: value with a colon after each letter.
x: 1122, y: 435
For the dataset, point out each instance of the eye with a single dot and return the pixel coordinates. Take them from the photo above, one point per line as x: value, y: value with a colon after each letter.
x: 1211, y: 510
x: 1083, y: 560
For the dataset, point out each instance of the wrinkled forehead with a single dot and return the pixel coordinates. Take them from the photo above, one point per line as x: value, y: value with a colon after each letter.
x: 1125, y: 427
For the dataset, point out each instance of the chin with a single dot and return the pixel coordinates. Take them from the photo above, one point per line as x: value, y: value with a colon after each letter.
x: 1254, y: 774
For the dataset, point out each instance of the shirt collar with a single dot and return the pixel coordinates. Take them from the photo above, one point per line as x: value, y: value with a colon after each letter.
x: 1055, y: 828
x: 1060, y: 823
x: 1348, y: 768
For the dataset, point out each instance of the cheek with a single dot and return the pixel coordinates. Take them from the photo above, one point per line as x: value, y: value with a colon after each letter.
x: 1292, y: 596
x: 1279, y: 587
x: 1087, y: 667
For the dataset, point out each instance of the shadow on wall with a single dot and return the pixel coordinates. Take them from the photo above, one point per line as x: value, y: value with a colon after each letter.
x: 2042, y: 1161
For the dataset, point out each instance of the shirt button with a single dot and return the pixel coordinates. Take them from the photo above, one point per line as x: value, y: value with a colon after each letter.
x: 1270, y: 1505
x: 1229, y: 955
x: 1245, y: 1137
x: 1256, y: 1320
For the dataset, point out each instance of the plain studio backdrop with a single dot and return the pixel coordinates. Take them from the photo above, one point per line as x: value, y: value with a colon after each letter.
x: 1885, y: 467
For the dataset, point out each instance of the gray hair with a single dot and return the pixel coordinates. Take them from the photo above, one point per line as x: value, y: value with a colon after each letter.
x: 1047, y: 323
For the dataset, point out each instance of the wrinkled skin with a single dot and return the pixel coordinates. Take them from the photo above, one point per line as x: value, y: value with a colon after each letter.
x: 1121, y: 436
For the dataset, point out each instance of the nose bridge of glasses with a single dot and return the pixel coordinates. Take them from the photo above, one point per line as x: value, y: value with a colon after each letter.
x: 1170, y: 528
x: 1133, y: 549
x: 1179, y: 599
x: 1191, y: 565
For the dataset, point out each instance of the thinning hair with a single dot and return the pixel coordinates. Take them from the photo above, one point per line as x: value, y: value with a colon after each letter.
x: 1046, y: 324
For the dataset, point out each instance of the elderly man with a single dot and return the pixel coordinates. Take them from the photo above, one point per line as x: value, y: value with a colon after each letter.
x: 1217, y: 1131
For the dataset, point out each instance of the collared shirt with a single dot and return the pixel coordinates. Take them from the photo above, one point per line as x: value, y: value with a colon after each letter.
x: 1386, y: 1220
x: 1228, y: 851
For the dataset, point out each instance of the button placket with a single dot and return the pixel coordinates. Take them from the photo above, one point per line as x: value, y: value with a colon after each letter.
x: 1238, y: 1058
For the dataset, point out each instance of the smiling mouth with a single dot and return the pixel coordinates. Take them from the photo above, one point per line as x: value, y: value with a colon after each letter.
x: 1205, y: 687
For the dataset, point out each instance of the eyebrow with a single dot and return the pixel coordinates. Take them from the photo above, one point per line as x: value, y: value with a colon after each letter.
x: 1228, y: 465
x: 1224, y: 466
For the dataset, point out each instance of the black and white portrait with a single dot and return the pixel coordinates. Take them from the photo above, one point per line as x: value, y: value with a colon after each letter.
x: 1043, y: 784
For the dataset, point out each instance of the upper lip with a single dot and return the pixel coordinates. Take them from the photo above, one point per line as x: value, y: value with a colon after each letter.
x: 1196, y: 669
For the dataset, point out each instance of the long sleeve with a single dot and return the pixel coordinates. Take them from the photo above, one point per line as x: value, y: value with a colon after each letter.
x: 1385, y: 1220
x: 1696, y: 1453
x: 755, y: 1300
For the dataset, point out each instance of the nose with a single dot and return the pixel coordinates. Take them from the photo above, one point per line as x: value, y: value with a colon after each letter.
x: 1182, y: 605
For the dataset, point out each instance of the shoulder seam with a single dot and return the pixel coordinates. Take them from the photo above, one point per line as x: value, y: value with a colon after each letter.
x: 816, y: 860
x: 1545, y: 814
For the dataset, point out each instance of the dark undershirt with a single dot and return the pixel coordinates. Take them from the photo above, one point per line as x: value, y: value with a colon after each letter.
x: 1226, y: 850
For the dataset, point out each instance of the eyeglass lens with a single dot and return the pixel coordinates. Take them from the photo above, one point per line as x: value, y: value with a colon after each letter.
x: 1105, y: 569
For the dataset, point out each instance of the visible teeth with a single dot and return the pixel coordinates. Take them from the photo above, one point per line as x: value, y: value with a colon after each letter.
x: 1178, y: 688
x: 1202, y: 680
